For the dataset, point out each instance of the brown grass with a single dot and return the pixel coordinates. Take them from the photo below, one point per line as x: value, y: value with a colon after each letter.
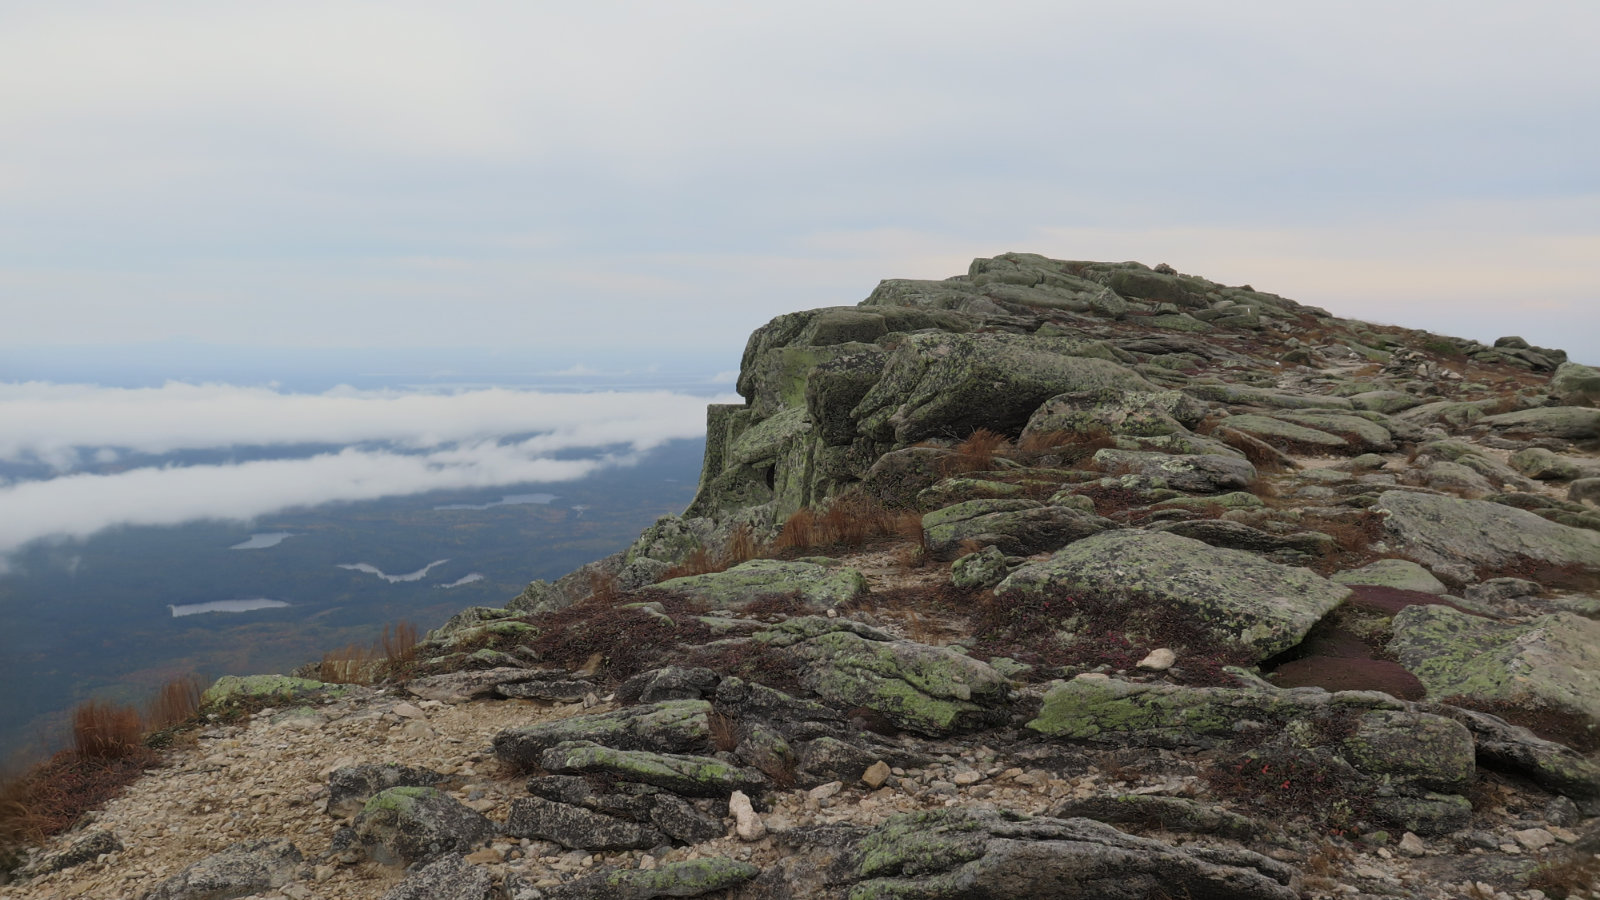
x: 350, y: 664
x: 393, y: 654
x: 105, y: 731
x: 1072, y: 448
x: 849, y: 521
x: 399, y: 644
x: 724, y: 732
x: 742, y: 546
x: 976, y: 453
x: 177, y: 702
x: 1565, y: 875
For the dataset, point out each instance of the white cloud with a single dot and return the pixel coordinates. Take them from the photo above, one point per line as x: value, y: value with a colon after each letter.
x: 54, y: 421
x: 446, y: 441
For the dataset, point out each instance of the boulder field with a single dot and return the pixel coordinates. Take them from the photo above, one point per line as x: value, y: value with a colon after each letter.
x: 1054, y: 579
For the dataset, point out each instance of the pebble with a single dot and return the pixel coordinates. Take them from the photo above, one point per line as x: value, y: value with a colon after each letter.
x: 875, y: 775
x: 747, y: 825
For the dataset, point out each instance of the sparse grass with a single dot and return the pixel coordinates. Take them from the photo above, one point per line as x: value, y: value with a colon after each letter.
x: 399, y: 644
x: 1561, y: 876
x: 177, y: 702
x: 724, y: 732
x: 350, y: 664
x: 849, y: 521
x: 976, y: 453
x: 393, y: 654
x: 105, y: 731
x: 741, y: 546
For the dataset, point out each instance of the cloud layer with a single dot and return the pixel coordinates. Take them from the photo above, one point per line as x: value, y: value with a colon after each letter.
x: 341, y: 173
x: 436, y: 442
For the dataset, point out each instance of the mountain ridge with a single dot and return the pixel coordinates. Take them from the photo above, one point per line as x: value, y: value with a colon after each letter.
x: 1056, y: 578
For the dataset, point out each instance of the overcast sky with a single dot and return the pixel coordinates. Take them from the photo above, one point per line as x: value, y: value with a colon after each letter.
x: 625, y: 177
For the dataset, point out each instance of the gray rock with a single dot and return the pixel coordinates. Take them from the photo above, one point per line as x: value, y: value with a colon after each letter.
x: 928, y: 690
x: 936, y: 383
x: 822, y: 587
x: 671, y: 726
x: 978, y: 853
x: 1196, y: 474
x: 1016, y: 527
x: 669, y: 683
x: 86, y: 847
x: 1257, y: 606
x: 551, y: 687
x: 683, y: 821
x: 448, y: 878
x: 1446, y: 531
x: 1238, y: 536
x: 239, y: 871
x: 576, y: 828
x: 983, y: 569
x: 1573, y: 423
x: 407, y: 825
x: 1512, y: 748
x: 694, y: 776
x: 1166, y: 813
x: 1401, y: 574
x: 1544, y: 465
x: 1575, y: 385
x: 1553, y: 660
x: 685, y: 878
x: 460, y: 687
x: 350, y: 787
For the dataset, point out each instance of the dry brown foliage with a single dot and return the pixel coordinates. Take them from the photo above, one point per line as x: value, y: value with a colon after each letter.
x: 848, y: 521
x: 399, y: 643
x: 350, y: 664
x: 977, y: 452
x: 1071, y: 448
x: 177, y: 702
x: 742, y: 546
x: 724, y: 732
x: 105, y: 731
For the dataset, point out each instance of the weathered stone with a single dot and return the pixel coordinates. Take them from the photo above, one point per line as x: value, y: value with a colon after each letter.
x: 1553, y: 660
x: 481, y: 684
x: 1544, y: 465
x: 671, y: 726
x: 1512, y: 748
x: 1288, y: 435
x: 350, y: 787
x: 1016, y: 527
x: 684, y: 878
x: 683, y: 821
x: 447, y: 878
x: 929, y: 690
x: 1238, y: 536
x: 952, y: 853
x: 86, y: 847
x: 1257, y: 606
x: 669, y: 683
x: 820, y: 586
x: 239, y: 871
x: 983, y: 569
x: 1575, y: 385
x: 936, y: 383
x: 1166, y: 813
x: 274, y: 688
x: 1573, y: 423
x: 1447, y: 531
x: 576, y: 828
x: 1199, y: 474
x: 1401, y: 574
x: 405, y: 825
x: 694, y: 776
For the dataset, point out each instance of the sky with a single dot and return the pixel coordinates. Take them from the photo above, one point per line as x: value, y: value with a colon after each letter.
x: 609, y: 181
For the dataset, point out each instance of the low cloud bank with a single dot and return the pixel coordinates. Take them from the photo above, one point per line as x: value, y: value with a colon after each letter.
x: 444, y: 441
x: 65, y: 423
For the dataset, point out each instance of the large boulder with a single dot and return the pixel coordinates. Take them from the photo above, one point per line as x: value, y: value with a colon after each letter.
x: 937, y: 384
x: 1017, y: 527
x: 1551, y: 660
x: 1118, y: 412
x: 924, y: 689
x: 1573, y: 423
x: 576, y: 828
x: 1576, y: 385
x: 684, y: 878
x: 988, y: 854
x: 1247, y: 602
x: 1446, y: 531
x: 448, y: 878
x: 693, y: 776
x: 673, y: 726
x: 239, y: 871
x: 821, y: 587
x: 1204, y: 474
x: 406, y: 825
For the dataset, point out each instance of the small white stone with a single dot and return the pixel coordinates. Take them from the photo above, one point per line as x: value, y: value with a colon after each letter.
x: 1534, y: 838
x: 823, y: 792
x: 875, y: 775
x: 407, y: 711
x: 746, y: 824
x: 1411, y: 845
x: 1158, y: 660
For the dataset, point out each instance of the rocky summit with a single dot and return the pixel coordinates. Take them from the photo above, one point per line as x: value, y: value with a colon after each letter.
x: 1054, y: 579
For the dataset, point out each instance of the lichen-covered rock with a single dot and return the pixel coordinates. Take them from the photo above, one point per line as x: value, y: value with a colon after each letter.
x: 1257, y: 606
x: 1016, y: 527
x: 86, y: 847
x: 474, y: 684
x: 821, y: 587
x: 983, y: 569
x: 447, y: 878
x: 239, y: 871
x: 350, y: 787
x: 1166, y: 813
x: 1118, y: 412
x: 1512, y: 748
x: 1553, y: 660
x: 1448, y: 531
x: 937, y: 383
x: 672, y: 726
x: 1575, y: 385
x: 576, y: 828
x: 1205, y: 474
x: 693, y: 776
x: 977, y: 853
x: 669, y: 683
x: 1573, y: 423
x: 274, y: 688
x: 405, y: 825
x: 682, y: 821
x: 1400, y: 574
x: 1288, y: 435
x: 1238, y: 536
x: 1545, y: 465
x: 684, y: 878
x: 928, y: 690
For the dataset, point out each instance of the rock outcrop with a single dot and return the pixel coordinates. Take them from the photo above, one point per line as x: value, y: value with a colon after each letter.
x: 1052, y: 579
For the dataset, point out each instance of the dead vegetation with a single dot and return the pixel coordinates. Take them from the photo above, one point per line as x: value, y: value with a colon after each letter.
x: 392, y: 655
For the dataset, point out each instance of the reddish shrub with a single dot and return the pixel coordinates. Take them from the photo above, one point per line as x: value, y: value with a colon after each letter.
x: 105, y: 731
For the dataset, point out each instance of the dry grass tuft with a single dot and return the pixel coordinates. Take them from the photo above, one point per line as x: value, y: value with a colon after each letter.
x: 1069, y: 448
x: 849, y: 521
x: 399, y: 644
x: 177, y: 702
x: 105, y: 731
x: 724, y: 732
x: 350, y: 664
x: 977, y: 452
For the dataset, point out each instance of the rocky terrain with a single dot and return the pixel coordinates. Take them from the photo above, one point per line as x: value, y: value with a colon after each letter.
x: 1054, y: 579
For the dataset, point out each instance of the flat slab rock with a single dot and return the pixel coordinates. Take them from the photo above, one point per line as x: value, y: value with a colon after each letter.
x: 992, y: 855
x: 1437, y: 531
x: 239, y: 871
x: 1255, y: 605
